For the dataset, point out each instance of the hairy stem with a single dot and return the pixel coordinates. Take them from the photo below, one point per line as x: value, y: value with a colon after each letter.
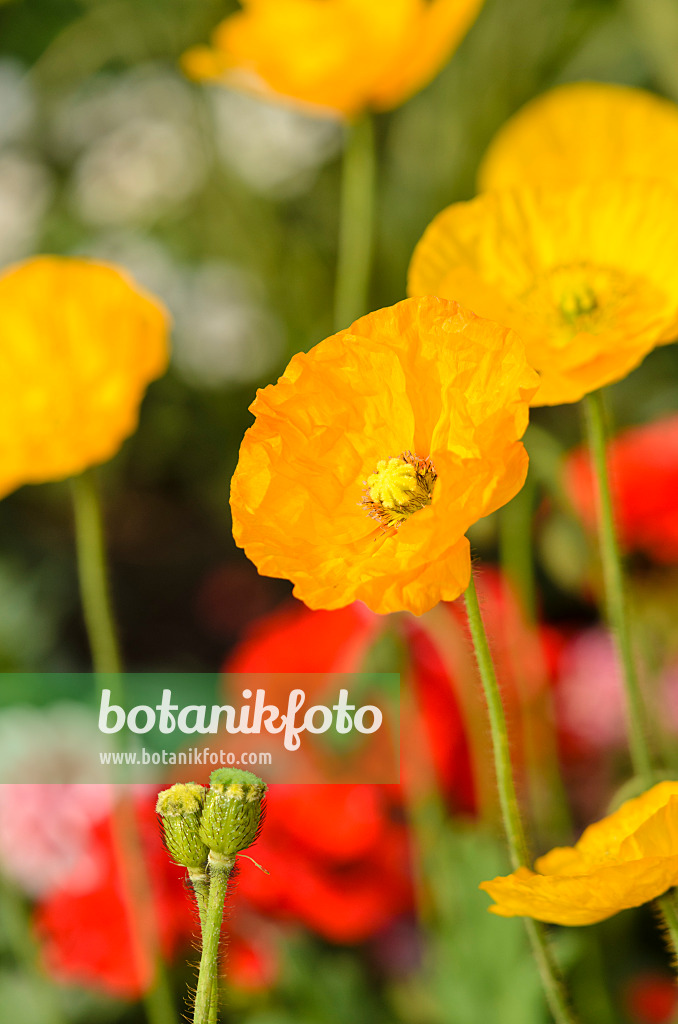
x: 619, y: 621
x: 205, y: 998
x: 551, y: 978
x: 201, y: 887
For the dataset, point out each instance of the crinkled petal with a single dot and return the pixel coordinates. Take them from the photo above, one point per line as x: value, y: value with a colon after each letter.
x: 523, y: 257
x: 424, y: 376
x: 622, y: 861
x: 582, y: 899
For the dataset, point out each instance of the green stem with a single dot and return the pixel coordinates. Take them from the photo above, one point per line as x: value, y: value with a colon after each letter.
x: 201, y: 887
x: 619, y: 621
x: 615, y: 591
x: 106, y: 658
x: 356, y: 228
x: 205, y: 1005
x: 93, y: 574
x: 515, y: 834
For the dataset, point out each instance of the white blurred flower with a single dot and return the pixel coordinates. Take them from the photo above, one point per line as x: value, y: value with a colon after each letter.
x: 223, y: 331
x: 276, y: 150
x: 25, y: 193
x: 17, y: 103
x: 137, y: 145
x: 45, y: 827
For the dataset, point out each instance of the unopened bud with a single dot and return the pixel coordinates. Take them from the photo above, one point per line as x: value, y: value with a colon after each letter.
x: 181, y: 808
x: 232, y: 814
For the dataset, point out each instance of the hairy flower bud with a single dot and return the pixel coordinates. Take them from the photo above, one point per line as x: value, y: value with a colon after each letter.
x: 232, y: 814
x: 181, y: 808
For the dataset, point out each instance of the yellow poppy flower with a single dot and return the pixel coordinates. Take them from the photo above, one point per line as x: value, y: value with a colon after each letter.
x: 340, y: 55
x: 627, y: 859
x: 377, y: 450
x: 79, y: 342
x: 586, y: 275
x: 586, y: 131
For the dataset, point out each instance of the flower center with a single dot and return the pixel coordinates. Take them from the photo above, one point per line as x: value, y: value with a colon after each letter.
x: 398, y: 488
x: 578, y: 300
x: 578, y: 297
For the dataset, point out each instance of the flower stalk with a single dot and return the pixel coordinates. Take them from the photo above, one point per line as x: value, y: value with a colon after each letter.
x: 513, y: 827
x: 619, y: 621
x: 356, y: 227
x: 93, y: 574
x: 205, y: 999
x: 615, y: 590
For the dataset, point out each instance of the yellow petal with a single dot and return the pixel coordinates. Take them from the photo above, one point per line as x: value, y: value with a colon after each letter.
x: 343, y: 56
x: 622, y: 861
x: 79, y: 342
x: 584, y: 131
x: 585, y: 275
x: 424, y: 376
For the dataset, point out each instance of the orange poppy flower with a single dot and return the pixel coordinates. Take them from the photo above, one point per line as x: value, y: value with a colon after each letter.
x: 340, y: 55
x: 584, y: 131
x: 586, y: 275
x: 377, y: 450
x: 79, y: 342
x: 628, y: 858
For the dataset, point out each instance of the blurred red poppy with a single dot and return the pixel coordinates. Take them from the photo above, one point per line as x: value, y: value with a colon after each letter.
x: 103, y: 935
x: 338, y: 855
x: 643, y: 465
x: 652, y: 998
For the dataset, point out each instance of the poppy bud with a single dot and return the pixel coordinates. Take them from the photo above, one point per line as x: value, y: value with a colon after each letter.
x: 180, y: 808
x: 232, y: 813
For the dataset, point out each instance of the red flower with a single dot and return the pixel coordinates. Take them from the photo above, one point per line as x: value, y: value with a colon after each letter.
x: 338, y: 855
x: 643, y: 465
x: 105, y: 935
x: 652, y: 998
x: 338, y: 860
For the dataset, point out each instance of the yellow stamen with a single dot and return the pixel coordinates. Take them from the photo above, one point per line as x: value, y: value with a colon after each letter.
x: 399, y: 488
x: 393, y: 483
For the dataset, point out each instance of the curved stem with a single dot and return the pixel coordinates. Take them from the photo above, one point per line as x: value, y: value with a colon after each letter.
x: 515, y: 834
x: 106, y: 658
x: 356, y: 227
x: 93, y: 574
x: 618, y: 619
x: 205, y: 1004
x: 615, y: 591
x: 513, y: 825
